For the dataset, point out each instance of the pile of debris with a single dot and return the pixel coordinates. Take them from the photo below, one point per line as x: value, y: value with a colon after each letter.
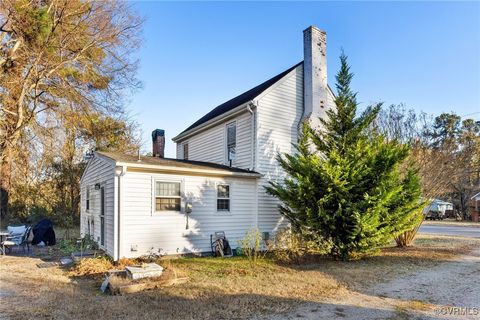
x: 139, y: 278
x: 134, y: 276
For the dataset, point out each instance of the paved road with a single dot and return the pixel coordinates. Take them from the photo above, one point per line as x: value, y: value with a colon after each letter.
x: 451, y: 230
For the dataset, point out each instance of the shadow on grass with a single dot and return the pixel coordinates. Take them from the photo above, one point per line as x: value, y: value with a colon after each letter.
x: 73, y: 301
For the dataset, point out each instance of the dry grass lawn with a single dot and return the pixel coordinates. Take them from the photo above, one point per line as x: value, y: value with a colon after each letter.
x: 217, y: 288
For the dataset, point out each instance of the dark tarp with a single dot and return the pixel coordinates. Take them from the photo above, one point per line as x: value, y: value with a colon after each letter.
x: 43, y: 231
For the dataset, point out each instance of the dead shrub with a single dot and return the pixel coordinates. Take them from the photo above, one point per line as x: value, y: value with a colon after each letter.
x: 125, y: 262
x: 91, y: 267
x: 292, y: 247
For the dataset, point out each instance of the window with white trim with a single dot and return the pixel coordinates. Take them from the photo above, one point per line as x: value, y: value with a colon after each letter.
x: 223, y: 197
x: 167, y: 196
x: 231, y: 141
x: 87, y: 199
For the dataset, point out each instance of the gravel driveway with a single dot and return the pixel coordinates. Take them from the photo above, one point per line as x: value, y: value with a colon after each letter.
x: 451, y: 290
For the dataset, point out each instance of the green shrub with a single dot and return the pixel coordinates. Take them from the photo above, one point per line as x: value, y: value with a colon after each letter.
x: 345, y: 182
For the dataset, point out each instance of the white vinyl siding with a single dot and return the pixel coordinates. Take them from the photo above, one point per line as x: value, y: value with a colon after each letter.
x: 99, y: 171
x: 185, y: 150
x: 279, y: 114
x: 179, y: 151
x: 210, y: 145
x: 168, y: 231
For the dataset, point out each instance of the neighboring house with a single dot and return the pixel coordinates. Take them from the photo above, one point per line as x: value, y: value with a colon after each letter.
x: 439, y: 209
x: 224, y: 160
x: 438, y: 205
x: 475, y: 207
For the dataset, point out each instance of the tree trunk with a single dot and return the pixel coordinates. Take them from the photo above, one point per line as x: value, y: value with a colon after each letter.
x: 5, y: 179
x: 406, y: 239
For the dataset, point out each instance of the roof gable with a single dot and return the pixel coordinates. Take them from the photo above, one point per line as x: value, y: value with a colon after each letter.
x: 240, y: 99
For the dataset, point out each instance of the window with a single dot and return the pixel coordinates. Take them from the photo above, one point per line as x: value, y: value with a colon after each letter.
x: 185, y: 151
x: 167, y: 196
x: 87, y: 199
x: 223, y: 197
x: 231, y: 141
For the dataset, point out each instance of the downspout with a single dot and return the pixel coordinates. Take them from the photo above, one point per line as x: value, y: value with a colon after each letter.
x: 254, y: 104
x: 250, y: 107
x: 119, y: 173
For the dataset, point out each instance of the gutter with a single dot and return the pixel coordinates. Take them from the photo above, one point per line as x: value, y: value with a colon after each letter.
x: 253, y: 130
x: 172, y: 169
x: 212, y: 122
x: 119, y: 173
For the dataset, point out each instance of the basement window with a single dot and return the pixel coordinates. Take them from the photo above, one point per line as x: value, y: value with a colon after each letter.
x: 231, y: 141
x: 223, y: 197
x: 167, y: 196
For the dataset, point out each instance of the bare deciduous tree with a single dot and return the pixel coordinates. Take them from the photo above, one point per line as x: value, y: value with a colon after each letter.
x: 58, y: 57
x: 445, y: 150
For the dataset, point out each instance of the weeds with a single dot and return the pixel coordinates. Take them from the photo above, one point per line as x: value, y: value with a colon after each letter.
x: 291, y: 247
x: 67, y: 246
x: 251, y: 245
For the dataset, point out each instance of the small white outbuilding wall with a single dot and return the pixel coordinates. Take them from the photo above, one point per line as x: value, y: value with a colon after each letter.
x: 133, y: 225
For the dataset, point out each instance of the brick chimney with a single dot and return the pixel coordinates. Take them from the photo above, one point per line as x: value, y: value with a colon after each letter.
x: 158, y: 143
x: 314, y: 73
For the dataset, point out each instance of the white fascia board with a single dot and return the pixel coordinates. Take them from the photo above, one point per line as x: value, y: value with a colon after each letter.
x: 276, y: 84
x: 212, y: 122
x: 331, y: 92
x: 95, y: 155
x: 173, y: 169
x: 85, y: 170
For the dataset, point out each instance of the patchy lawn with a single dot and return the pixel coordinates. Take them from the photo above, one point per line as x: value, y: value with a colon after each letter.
x: 232, y: 288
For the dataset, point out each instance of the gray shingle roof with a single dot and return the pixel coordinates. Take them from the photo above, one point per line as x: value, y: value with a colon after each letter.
x: 126, y: 158
x: 240, y: 99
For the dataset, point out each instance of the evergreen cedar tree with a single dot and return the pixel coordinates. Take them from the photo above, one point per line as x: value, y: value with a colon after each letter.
x: 347, y: 185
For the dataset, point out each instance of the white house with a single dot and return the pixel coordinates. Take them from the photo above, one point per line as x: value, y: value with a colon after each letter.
x: 440, y: 206
x: 132, y: 205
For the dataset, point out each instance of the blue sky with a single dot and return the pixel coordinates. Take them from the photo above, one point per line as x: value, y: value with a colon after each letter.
x: 197, y: 55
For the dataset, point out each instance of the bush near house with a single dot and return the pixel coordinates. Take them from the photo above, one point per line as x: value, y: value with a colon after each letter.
x: 345, y: 185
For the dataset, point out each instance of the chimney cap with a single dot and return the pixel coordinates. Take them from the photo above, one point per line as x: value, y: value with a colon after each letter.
x: 312, y: 27
x: 158, y: 132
